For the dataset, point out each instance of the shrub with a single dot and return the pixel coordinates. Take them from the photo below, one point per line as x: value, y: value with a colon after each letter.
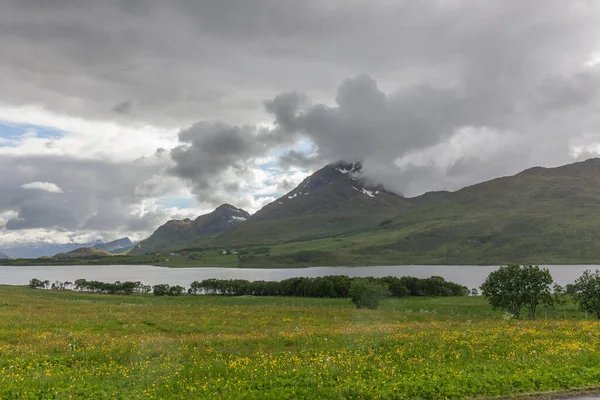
x: 36, y: 284
x: 175, y: 290
x: 160, y: 290
x: 366, y: 294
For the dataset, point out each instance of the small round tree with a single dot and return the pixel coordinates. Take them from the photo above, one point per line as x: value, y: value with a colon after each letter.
x: 366, y: 294
x: 161, y: 289
x: 175, y: 290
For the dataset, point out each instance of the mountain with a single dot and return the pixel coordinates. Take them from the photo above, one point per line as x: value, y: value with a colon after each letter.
x: 539, y: 215
x: 4, y: 256
x: 84, y: 252
x: 334, y: 200
x: 336, y: 217
x: 42, y: 249
x: 180, y: 233
x: 116, y: 246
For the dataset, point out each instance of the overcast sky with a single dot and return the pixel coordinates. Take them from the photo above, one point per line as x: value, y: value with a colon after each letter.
x: 117, y: 115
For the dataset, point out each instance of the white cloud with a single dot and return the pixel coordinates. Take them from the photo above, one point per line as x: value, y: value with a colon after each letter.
x: 46, y: 186
x: 84, y: 138
x: 593, y: 61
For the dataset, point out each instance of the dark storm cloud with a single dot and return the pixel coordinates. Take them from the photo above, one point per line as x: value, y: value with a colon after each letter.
x: 186, y: 60
x: 515, y: 69
x: 367, y: 122
x: 489, y: 137
x: 532, y: 125
x: 295, y: 158
x: 212, y: 156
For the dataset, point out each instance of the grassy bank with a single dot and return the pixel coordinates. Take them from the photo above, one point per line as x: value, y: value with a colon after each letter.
x: 210, y: 259
x: 357, y: 249
x: 65, y: 344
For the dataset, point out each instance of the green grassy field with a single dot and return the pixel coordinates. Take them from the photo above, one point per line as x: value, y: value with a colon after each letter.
x: 58, y: 345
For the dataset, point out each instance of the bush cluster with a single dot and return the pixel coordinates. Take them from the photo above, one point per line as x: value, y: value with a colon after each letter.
x: 167, y: 290
x: 84, y: 285
x: 333, y: 286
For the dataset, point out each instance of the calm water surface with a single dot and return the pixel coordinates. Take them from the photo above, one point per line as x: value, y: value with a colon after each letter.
x: 470, y: 276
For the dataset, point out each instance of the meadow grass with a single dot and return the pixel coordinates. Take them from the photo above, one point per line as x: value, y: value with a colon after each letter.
x: 76, y: 345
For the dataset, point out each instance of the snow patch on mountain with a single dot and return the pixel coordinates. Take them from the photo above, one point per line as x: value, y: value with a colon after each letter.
x: 368, y: 192
x: 293, y: 196
x: 343, y: 171
x: 365, y: 191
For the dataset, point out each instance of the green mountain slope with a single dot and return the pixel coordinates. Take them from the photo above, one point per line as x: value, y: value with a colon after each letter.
x: 538, y: 215
x: 332, y: 201
x: 180, y: 233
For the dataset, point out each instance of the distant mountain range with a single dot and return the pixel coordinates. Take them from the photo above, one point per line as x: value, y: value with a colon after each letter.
x: 543, y: 215
x: 4, y: 256
x: 36, y: 250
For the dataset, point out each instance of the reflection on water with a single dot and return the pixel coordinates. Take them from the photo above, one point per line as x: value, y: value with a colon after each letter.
x: 470, y: 276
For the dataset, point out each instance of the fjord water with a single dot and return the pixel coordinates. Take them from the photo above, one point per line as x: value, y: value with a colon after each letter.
x: 470, y: 276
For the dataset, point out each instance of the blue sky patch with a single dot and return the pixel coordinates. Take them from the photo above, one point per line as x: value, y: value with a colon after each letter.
x: 177, y: 202
x: 269, y: 165
x: 303, y: 146
x: 11, y: 133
